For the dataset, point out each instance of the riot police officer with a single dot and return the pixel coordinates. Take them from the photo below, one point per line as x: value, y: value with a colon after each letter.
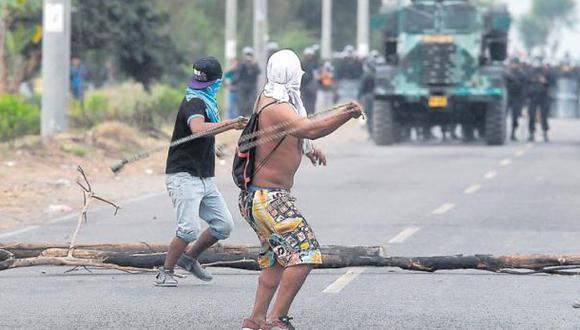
x: 539, y: 86
x: 516, y: 82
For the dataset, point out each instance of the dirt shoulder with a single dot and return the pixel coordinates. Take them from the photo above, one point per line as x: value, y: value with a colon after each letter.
x: 38, y: 180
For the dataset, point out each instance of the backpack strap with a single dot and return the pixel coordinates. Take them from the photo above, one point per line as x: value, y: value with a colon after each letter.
x: 264, y: 107
x: 267, y: 158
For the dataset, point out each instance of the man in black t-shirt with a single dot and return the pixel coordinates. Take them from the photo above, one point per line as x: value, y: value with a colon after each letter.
x: 190, y: 175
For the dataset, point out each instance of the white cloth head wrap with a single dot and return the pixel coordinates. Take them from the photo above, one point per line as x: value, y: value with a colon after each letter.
x: 284, y: 75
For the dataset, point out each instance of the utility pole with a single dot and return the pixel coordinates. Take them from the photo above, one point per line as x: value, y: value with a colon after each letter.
x: 55, y: 66
x: 231, y: 42
x: 261, y: 37
x: 326, y: 43
x: 362, y: 31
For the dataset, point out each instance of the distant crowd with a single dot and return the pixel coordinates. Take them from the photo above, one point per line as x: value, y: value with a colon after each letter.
x: 535, y: 84
x: 325, y: 82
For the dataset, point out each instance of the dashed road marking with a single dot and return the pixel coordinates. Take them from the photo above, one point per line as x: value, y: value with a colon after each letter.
x: 505, y: 162
x: 344, y: 280
x: 472, y: 189
x: 490, y: 175
x: 519, y: 153
x: 443, y: 208
x: 404, y: 235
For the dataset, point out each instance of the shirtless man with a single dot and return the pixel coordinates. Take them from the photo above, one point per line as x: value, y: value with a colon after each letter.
x: 290, y: 249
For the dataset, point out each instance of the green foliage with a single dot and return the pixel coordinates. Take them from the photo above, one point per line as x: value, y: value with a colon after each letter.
x: 545, y: 20
x: 134, y: 33
x: 165, y: 101
x: 20, y: 37
x: 128, y: 103
x: 74, y: 149
x: 554, y: 10
x: 95, y: 110
x: 534, y: 31
x: 296, y: 38
x: 198, y: 25
x: 17, y: 118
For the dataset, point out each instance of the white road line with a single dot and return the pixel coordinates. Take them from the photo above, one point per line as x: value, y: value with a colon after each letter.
x: 490, y: 175
x: 529, y: 146
x: 19, y: 231
x: 73, y: 215
x: 473, y: 189
x: 505, y: 162
x: 443, y: 208
x: 344, y: 280
x: 404, y: 235
x: 519, y: 153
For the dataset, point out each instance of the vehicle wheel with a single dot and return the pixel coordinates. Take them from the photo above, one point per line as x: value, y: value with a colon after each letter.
x: 495, y: 123
x: 384, y: 126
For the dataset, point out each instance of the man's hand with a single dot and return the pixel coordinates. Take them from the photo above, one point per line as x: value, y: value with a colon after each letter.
x: 355, y: 110
x: 239, y: 123
x: 317, y: 157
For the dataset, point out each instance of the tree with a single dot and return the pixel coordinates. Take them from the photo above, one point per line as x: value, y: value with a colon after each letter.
x: 533, y: 31
x: 556, y: 12
x: 20, y: 42
x: 133, y: 33
x: 546, y: 21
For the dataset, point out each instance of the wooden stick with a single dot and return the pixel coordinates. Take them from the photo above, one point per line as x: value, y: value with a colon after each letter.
x: 119, y: 166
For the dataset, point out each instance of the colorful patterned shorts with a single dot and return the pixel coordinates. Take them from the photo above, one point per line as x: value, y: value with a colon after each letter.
x: 285, y: 235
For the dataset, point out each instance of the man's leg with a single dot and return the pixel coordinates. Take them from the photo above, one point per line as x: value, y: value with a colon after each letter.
x: 532, y: 118
x: 204, y: 242
x: 545, y: 113
x: 176, y: 248
x: 267, y: 285
x: 292, y: 280
x: 215, y: 212
x: 242, y: 102
x: 516, y: 110
x: 186, y: 193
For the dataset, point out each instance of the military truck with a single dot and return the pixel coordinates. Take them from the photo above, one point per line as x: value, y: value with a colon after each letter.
x: 443, y: 68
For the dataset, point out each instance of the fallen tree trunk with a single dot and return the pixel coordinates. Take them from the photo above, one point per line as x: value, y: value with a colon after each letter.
x: 148, y: 256
x: 143, y: 255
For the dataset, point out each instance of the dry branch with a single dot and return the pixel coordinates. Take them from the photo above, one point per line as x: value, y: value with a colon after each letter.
x: 148, y: 256
x: 88, y: 196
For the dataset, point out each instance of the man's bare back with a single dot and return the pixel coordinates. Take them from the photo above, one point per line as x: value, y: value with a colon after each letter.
x: 279, y: 170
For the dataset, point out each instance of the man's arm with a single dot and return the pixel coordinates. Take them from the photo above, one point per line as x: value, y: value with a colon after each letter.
x: 197, y: 124
x: 304, y: 128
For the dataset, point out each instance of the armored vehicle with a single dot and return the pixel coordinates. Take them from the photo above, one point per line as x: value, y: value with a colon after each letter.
x: 444, y: 66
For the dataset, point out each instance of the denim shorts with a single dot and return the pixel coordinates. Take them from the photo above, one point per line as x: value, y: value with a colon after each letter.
x: 196, y: 199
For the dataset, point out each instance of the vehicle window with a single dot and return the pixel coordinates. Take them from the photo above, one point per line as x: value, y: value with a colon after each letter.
x: 419, y: 18
x: 459, y: 17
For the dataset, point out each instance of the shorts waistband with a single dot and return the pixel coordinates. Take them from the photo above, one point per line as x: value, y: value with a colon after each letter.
x: 254, y: 188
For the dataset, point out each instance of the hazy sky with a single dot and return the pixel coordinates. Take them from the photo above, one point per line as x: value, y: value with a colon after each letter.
x: 570, y: 39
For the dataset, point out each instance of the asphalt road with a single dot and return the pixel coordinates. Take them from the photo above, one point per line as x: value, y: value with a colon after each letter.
x: 415, y: 199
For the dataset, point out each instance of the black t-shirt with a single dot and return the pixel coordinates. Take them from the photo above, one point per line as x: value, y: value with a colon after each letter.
x: 196, y: 157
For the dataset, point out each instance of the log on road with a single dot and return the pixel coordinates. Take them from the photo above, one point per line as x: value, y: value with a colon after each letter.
x: 148, y: 256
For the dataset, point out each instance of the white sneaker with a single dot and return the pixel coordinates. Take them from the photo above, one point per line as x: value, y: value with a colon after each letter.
x: 165, y: 278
